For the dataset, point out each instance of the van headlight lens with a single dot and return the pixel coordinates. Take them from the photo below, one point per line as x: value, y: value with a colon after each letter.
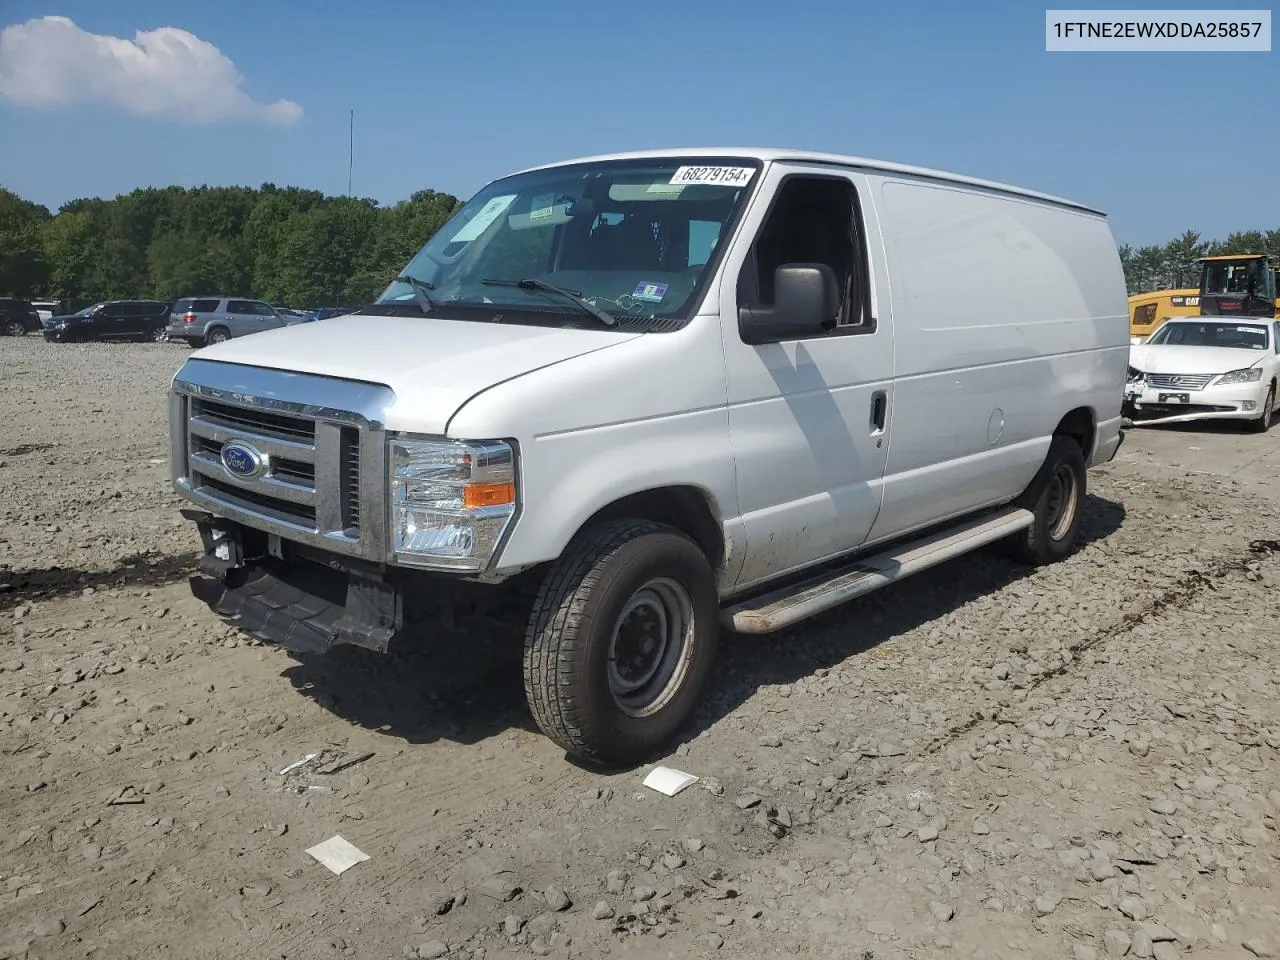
x: 1135, y: 375
x: 450, y: 501
x: 1249, y: 375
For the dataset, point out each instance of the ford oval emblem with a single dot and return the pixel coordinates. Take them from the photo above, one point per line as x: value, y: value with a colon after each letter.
x: 242, y: 460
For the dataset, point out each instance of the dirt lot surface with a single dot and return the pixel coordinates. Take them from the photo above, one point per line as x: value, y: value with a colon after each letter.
x: 1077, y: 762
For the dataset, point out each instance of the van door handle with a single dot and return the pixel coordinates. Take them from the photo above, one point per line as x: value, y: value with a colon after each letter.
x: 879, y: 405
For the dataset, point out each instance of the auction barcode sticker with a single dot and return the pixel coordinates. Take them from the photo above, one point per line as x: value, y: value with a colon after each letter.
x: 721, y: 176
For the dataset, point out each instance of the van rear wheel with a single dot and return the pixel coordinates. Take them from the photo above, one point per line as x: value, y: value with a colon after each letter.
x: 1055, y: 498
x: 620, y: 641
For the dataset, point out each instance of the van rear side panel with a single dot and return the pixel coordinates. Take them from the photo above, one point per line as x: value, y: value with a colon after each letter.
x: 1008, y: 313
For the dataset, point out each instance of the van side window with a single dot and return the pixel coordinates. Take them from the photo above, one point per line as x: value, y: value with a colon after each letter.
x: 813, y: 220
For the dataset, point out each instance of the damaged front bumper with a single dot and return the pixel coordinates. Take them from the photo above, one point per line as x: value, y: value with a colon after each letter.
x: 1147, y: 406
x: 302, y: 603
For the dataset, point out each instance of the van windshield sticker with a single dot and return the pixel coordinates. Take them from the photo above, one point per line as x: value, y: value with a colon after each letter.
x: 726, y: 176
x: 481, y: 221
x: 542, y: 207
x: 652, y: 292
x: 665, y: 189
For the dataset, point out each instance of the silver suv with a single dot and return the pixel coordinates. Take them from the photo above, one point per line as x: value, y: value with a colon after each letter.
x: 204, y: 320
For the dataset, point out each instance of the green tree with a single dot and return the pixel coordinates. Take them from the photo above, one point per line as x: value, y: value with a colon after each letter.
x: 322, y: 251
x: 24, y: 266
x: 1182, y: 260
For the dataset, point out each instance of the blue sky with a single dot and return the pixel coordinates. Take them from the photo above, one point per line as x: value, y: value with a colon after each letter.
x: 449, y: 95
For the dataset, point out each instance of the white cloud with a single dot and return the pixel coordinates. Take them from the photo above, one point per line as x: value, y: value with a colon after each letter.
x: 165, y: 73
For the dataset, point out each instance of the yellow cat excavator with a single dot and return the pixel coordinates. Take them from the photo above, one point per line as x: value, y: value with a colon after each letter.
x: 1231, y: 285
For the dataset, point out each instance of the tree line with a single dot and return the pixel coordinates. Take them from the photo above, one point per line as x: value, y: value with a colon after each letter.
x: 298, y: 247
x: 1175, y: 265
x: 285, y: 245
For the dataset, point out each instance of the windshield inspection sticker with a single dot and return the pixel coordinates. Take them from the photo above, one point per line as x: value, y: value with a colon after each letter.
x: 541, y: 208
x: 651, y: 292
x: 665, y: 189
x: 481, y: 221
x: 718, y: 176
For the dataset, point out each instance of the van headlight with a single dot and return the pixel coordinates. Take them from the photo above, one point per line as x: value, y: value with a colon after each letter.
x: 1135, y: 375
x: 1248, y: 375
x: 450, y: 501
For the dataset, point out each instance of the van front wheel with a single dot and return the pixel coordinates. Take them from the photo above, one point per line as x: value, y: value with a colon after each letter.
x: 1055, y: 499
x: 620, y: 641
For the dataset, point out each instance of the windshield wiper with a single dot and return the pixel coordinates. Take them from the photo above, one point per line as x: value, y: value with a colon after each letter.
x: 534, y: 284
x: 420, y: 288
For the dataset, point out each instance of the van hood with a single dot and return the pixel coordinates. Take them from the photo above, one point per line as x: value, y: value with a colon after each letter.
x: 433, y: 365
x: 1179, y: 359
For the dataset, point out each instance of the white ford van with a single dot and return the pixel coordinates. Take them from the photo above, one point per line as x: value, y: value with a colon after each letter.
x: 628, y: 400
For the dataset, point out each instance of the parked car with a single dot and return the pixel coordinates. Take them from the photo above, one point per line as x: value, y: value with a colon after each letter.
x: 295, y: 316
x: 18, y: 317
x: 207, y: 320
x: 327, y: 313
x: 618, y: 404
x: 1202, y: 369
x: 47, y: 309
x: 111, y: 320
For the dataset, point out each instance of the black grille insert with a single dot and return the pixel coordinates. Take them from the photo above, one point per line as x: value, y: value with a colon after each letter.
x: 251, y: 500
x: 349, y: 479
x: 263, y: 422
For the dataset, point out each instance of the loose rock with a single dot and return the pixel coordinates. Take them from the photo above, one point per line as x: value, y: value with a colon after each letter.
x: 602, y: 911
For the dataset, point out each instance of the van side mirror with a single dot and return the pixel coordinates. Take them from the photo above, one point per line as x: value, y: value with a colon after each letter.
x: 805, y: 299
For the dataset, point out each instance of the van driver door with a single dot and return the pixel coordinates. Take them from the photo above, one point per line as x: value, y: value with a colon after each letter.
x: 808, y: 417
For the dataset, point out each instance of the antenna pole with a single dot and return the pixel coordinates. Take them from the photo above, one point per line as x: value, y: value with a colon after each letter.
x: 351, y: 145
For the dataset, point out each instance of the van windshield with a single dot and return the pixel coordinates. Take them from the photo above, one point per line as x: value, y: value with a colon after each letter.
x: 636, y: 239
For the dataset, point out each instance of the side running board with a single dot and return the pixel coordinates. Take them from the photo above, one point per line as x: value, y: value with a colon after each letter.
x: 791, y: 604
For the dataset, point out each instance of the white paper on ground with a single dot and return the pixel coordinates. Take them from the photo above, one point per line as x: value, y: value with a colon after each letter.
x: 297, y: 763
x: 668, y: 781
x: 337, y: 854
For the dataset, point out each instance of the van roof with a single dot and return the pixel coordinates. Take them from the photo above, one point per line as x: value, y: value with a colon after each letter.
x: 782, y: 154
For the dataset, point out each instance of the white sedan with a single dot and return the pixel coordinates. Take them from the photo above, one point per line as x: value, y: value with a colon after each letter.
x: 1197, y: 368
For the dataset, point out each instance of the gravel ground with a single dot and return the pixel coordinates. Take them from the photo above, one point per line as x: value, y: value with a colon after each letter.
x: 1074, y: 762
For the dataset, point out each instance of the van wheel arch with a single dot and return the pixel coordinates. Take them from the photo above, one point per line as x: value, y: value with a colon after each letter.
x: 686, y: 508
x: 212, y: 336
x: 1081, y: 426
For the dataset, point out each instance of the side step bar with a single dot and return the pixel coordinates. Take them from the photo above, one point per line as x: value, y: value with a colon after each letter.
x: 787, y: 605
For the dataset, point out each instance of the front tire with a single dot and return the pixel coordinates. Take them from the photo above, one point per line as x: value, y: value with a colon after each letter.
x: 1055, y: 498
x: 1262, y: 423
x: 621, y: 641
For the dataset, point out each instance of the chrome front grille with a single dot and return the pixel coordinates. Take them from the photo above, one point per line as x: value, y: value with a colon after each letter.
x: 317, y: 466
x: 1179, y: 381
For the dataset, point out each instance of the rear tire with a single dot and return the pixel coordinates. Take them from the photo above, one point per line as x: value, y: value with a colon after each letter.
x: 620, y: 641
x: 15, y: 328
x: 1262, y: 423
x: 157, y: 334
x: 1055, y: 498
x: 217, y: 335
